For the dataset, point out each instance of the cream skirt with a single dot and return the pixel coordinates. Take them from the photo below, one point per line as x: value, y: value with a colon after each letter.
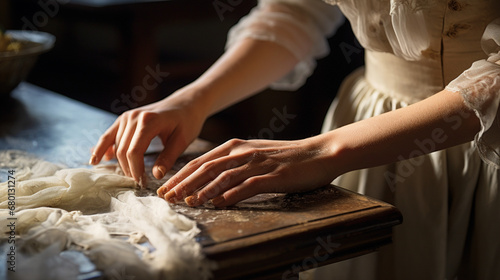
x: 449, y: 199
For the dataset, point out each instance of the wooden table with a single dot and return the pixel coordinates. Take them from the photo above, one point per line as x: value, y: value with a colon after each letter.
x: 269, y: 236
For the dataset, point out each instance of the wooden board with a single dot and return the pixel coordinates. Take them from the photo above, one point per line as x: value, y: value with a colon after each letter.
x: 275, y: 235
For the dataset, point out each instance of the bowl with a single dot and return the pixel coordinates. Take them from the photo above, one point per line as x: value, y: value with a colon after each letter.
x: 16, y: 65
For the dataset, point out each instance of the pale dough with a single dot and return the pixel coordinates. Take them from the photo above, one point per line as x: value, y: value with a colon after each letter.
x: 94, y: 211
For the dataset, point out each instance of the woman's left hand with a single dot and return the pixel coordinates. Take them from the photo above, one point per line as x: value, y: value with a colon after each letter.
x: 240, y: 169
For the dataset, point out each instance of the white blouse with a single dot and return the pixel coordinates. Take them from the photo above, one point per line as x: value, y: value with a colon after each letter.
x: 409, y: 29
x: 480, y: 87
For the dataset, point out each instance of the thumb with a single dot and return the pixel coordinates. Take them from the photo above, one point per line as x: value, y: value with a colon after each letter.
x: 173, y: 148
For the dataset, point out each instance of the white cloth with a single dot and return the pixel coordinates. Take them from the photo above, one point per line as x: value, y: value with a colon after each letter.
x: 96, y: 212
x: 450, y: 199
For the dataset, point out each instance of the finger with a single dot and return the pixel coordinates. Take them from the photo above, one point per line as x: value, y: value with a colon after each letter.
x: 177, y: 188
x: 249, y: 188
x: 172, y: 149
x: 225, y: 181
x: 104, y: 143
x: 110, y: 153
x: 220, y: 151
x: 193, y: 165
x: 179, y: 177
x: 138, y: 145
x: 119, y: 133
x: 124, y: 136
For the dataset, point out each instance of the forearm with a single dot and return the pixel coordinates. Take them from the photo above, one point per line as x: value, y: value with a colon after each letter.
x: 436, y: 123
x: 244, y: 70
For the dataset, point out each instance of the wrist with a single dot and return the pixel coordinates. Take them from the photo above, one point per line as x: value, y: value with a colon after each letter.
x: 193, y: 99
x: 333, y: 154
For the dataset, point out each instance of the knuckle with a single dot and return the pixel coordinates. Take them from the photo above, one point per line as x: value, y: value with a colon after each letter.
x: 132, y: 153
x: 121, y: 117
x: 208, y: 193
x: 125, y: 116
x: 224, y: 178
x: 253, y: 153
x: 132, y: 113
x: 207, y: 166
x: 253, y: 182
x: 235, y: 142
x: 121, y: 153
x: 146, y: 117
x: 284, y: 172
x: 194, y: 163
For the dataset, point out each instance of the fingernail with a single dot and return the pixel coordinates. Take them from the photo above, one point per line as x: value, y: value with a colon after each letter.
x: 169, y: 196
x: 159, y: 192
x: 162, y: 170
x: 191, y: 200
x: 218, y: 200
x: 93, y: 160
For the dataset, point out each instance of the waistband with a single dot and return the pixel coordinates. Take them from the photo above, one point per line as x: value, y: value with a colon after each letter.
x: 408, y: 81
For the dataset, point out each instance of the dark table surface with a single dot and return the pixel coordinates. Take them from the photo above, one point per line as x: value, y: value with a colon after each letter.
x: 268, y: 236
x: 50, y: 125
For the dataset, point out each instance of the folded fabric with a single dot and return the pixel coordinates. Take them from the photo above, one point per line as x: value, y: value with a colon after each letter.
x: 97, y: 213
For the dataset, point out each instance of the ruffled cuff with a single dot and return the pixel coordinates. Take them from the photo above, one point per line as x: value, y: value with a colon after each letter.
x: 480, y: 88
x: 301, y: 26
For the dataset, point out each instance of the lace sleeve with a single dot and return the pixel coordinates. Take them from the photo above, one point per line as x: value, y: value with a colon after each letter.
x: 301, y: 26
x: 480, y: 88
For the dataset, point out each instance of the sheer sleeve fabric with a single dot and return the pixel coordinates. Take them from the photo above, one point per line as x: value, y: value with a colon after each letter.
x: 301, y: 26
x: 480, y: 88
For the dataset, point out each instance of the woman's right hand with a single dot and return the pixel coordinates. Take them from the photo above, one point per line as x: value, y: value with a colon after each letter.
x: 177, y: 120
x: 245, y: 69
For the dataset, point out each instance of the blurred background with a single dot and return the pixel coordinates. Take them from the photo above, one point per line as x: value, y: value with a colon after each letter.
x: 121, y: 54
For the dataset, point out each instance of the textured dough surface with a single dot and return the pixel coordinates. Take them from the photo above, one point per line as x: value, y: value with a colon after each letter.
x: 96, y: 212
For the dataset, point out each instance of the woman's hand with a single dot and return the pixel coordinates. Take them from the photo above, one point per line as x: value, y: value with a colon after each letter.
x: 175, y: 119
x: 243, y: 70
x: 240, y: 169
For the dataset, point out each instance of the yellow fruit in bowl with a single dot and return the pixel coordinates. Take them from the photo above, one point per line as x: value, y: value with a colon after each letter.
x: 19, y: 51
